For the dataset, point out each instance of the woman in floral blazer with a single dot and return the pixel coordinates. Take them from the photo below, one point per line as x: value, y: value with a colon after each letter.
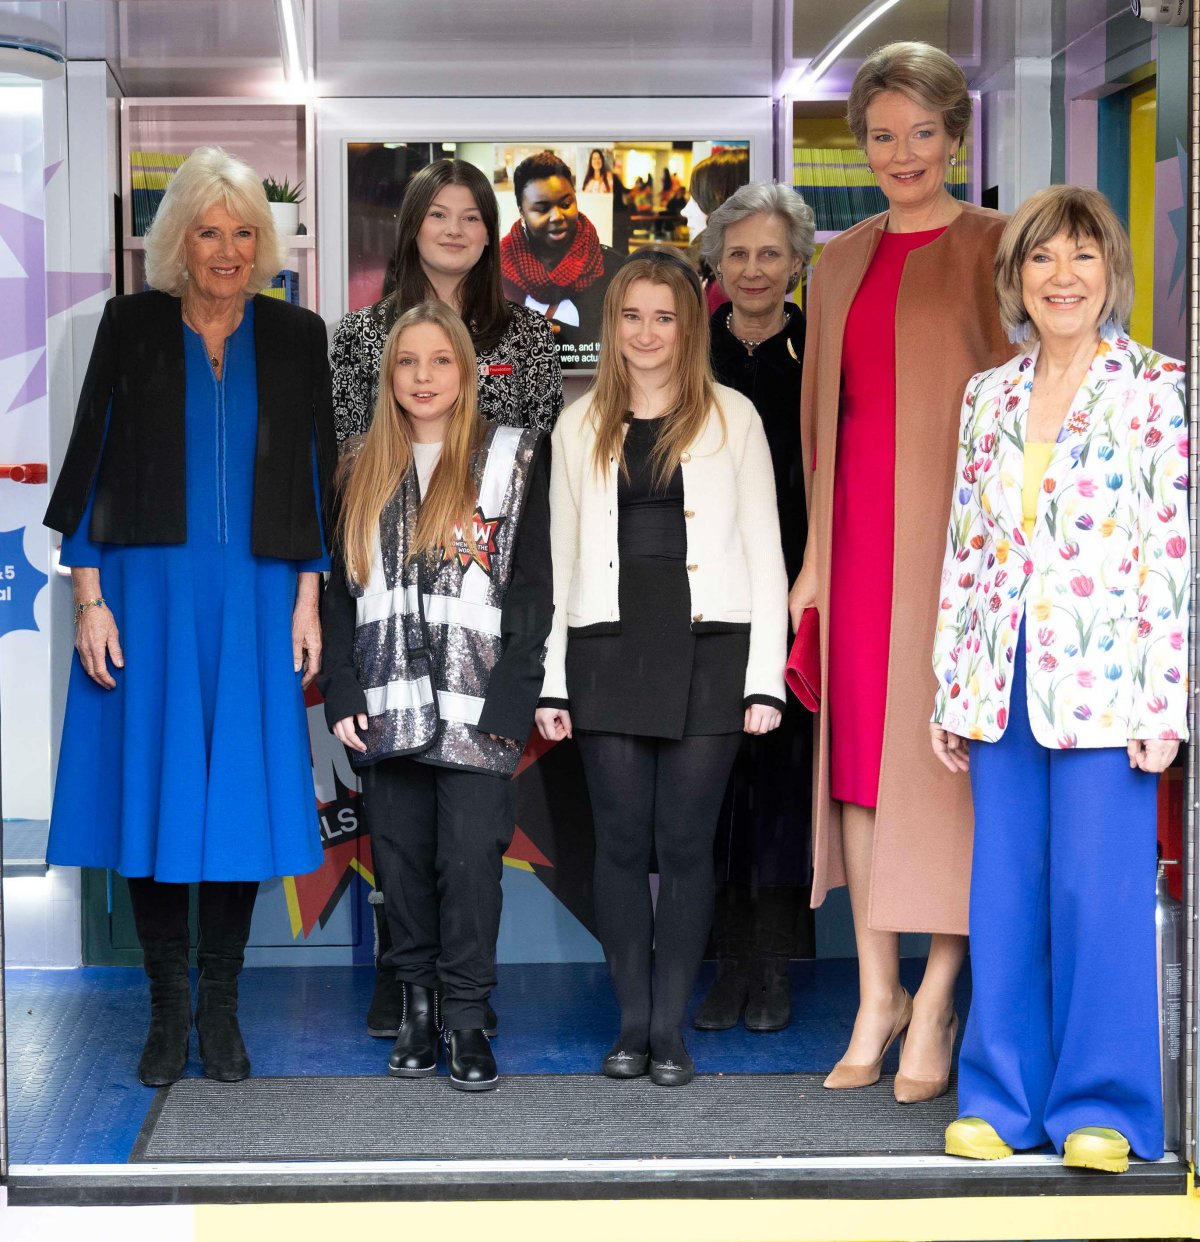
x: 1062, y: 642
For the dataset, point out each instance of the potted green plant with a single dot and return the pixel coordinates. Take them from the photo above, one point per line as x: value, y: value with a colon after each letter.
x: 285, y: 200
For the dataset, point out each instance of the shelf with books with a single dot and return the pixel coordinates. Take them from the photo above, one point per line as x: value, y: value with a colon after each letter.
x: 275, y: 139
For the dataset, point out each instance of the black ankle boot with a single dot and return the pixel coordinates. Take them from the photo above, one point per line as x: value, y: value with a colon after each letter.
x: 387, y: 1000
x: 472, y: 1065
x: 732, y: 936
x: 221, y: 1047
x: 165, y: 1055
x: 387, y: 1005
x: 415, y: 1052
x: 722, y: 1007
x: 770, y: 1004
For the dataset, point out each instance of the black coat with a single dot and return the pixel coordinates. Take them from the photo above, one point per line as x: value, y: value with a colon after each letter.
x: 770, y: 378
x: 763, y: 830
x: 138, y: 466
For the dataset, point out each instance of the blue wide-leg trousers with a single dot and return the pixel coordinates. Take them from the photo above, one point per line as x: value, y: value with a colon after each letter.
x: 1063, y: 1029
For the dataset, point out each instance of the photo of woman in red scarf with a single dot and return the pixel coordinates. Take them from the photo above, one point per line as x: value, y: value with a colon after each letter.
x: 552, y: 260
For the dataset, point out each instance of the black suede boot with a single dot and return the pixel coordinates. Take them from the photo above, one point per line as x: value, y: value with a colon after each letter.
x: 472, y: 1065
x: 770, y: 1005
x: 415, y: 1052
x: 221, y: 1046
x: 226, y: 908
x: 387, y: 1001
x: 732, y: 933
x: 160, y: 914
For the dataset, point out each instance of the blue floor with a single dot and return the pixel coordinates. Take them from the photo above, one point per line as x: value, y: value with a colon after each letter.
x: 74, y: 1038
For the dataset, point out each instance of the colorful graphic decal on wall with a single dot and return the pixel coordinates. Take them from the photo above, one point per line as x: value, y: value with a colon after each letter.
x: 20, y: 583
x: 28, y: 295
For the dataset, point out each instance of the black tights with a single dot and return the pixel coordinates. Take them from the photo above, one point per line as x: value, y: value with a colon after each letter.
x: 661, y: 795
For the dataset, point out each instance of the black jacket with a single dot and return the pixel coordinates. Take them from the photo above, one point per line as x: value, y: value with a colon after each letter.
x: 138, y: 467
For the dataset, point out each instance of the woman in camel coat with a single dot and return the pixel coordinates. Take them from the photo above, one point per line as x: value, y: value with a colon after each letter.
x: 887, y: 819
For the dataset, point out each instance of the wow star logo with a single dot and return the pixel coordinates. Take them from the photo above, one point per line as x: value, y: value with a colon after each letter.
x: 484, y: 531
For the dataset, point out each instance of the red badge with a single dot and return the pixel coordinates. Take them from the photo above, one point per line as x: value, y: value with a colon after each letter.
x: 500, y: 368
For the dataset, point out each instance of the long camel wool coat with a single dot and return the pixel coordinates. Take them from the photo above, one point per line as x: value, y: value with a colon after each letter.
x: 947, y: 329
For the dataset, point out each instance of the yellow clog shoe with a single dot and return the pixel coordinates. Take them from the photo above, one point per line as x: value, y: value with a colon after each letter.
x: 1096, y: 1147
x: 973, y: 1138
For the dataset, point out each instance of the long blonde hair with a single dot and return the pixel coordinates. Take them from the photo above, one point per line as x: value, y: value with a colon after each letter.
x: 371, y: 475
x: 694, y: 392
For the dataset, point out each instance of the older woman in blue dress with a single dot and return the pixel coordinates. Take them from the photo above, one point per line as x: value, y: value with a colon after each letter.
x: 190, y: 503
x: 1061, y: 659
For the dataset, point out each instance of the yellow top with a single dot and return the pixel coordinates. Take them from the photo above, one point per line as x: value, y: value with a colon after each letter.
x: 1037, y: 461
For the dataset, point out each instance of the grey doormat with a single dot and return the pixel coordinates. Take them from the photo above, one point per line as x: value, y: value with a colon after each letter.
x: 536, y: 1116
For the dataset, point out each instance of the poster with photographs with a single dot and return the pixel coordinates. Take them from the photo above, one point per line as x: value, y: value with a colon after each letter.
x: 570, y: 214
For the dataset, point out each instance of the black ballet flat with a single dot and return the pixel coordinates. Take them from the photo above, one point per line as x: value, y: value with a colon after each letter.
x: 676, y: 1071
x: 622, y: 1064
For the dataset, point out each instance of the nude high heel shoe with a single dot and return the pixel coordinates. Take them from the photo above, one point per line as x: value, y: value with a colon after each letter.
x: 911, y: 1090
x: 846, y: 1075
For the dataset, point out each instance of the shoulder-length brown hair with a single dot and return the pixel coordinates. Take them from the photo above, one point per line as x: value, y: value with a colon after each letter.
x: 694, y: 391
x: 370, y: 474
x: 1083, y: 214
x: 483, y: 305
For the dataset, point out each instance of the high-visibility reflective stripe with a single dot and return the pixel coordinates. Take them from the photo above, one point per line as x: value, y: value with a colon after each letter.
x: 462, y: 708
x: 450, y: 610
x: 399, y: 696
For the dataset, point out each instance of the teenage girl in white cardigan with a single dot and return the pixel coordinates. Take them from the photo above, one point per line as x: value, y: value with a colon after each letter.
x: 669, y: 636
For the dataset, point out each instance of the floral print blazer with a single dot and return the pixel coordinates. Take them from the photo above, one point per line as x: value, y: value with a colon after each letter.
x: 1104, y: 585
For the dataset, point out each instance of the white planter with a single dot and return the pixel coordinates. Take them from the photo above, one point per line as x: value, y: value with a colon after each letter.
x: 287, y: 218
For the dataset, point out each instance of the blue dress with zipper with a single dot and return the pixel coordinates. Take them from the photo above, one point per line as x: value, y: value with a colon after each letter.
x: 197, y: 766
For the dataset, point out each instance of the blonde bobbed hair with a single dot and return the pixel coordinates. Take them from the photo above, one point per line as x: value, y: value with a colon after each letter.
x: 924, y: 73
x: 210, y: 175
x: 1082, y: 214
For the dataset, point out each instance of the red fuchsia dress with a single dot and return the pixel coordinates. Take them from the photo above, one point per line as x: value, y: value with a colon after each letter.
x: 864, y: 513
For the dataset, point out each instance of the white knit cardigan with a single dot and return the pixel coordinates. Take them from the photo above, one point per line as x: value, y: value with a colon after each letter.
x: 734, y: 559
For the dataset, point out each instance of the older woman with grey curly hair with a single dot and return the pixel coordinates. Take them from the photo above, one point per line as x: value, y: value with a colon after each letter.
x: 758, y: 242
x: 190, y: 500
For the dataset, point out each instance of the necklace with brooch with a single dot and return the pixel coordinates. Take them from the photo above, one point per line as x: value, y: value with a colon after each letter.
x: 751, y: 346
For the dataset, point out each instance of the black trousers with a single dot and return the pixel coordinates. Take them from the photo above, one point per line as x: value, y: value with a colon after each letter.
x: 660, y: 795
x: 438, y: 837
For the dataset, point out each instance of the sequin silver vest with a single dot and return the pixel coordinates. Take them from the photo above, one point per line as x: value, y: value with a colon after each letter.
x: 427, y: 634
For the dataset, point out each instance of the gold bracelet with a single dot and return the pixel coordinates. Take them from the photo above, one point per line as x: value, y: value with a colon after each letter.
x: 84, y: 605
